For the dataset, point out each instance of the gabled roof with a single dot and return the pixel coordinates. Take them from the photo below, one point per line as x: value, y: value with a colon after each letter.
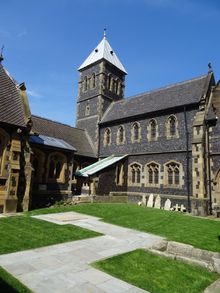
x: 51, y: 141
x: 103, y: 51
x: 76, y: 137
x: 11, y: 104
x: 98, y: 166
x: 176, y: 95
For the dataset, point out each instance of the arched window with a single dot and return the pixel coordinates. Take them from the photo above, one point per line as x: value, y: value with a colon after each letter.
x: 153, y: 129
x: 172, y: 127
x: 120, y: 135
x: 152, y: 174
x: 56, y: 165
x: 85, y: 84
x: 93, y: 80
x: 135, y: 174
x: 108, y: 82
x: 135, y: 132
x: 107, y: 137
x: 172, y: 170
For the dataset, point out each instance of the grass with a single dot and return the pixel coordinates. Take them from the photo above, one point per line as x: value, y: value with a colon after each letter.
x: 201, y: 233
x: 21, y: 233
x: 157, y: 274
x: 9, y: 284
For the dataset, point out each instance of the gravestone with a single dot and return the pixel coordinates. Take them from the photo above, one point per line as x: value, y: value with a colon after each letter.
x: 157, y: 204
x: 144, y: 200
x: 182, y: 208
x: 150, y: 202
x: 167, y: 205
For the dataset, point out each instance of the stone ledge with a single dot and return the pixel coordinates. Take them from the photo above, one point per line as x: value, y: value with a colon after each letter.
x: 189, y: 254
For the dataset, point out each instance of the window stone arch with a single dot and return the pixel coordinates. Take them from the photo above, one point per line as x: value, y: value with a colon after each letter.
x: 135, y: 132
x: 121, y: 135
x: 172, y: 127
x: 134, y: 174
x: 107, y: 137
x: 173, y: 174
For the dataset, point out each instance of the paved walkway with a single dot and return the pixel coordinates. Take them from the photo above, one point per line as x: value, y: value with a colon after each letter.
x: 66, y: 267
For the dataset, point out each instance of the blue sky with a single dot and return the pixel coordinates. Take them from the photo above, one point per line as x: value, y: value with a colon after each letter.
x: 159, y: 42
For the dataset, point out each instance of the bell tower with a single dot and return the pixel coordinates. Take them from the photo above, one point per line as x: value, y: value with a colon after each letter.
x: 101, y: 82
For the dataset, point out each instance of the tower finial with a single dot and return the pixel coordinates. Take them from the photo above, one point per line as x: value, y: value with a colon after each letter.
x: 1, y: 55
x: 104, y: 32
x: 210, y: 67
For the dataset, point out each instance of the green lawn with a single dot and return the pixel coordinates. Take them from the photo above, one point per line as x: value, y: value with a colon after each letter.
x: 21, y: 233
x: 201, y: 233
x: 157, y: 274
x: 9, y: 284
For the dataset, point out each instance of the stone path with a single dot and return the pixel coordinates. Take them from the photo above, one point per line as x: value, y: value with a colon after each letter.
x: 66, y: 267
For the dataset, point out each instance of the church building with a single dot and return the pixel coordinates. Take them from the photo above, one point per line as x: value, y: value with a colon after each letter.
x: 164, y: 142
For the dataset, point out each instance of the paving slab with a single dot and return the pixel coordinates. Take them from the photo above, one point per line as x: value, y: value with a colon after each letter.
x: 66, y: 267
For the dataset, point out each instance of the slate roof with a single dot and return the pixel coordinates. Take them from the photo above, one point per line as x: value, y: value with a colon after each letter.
x: 76, y: 137
x: 11, y: 105
x: 103, y: 51
x: 51, y: 141
x: 179, y: 94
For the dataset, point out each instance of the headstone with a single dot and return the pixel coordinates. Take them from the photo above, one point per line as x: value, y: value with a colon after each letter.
x: 167, y: 205
x: 140, y: 203
x: 157, y: 204
x: 144, y: 200
x: 176, y: 208
x: 182, y: 208
x: 150, y: 202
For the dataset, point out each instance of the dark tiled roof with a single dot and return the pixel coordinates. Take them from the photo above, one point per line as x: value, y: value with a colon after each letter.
x: 74, y: 136
x: 179, y: 94
x: 11, y: 105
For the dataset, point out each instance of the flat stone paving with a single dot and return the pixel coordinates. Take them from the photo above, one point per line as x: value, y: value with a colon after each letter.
x: 66, y: 267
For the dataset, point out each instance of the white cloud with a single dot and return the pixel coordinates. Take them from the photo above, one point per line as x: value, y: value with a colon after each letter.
x: 22, y: 33
x: 34, y: 94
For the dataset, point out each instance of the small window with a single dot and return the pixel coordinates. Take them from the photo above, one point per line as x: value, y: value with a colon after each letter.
x: 135, y: 132
x: 87, y: 110
x: 172, y: 127
x: 93, y: 80
x: 85, y: 84
x: 109, y: 82
x: 153, y: 129
x: 107, y: 137
x: 120, y: 135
